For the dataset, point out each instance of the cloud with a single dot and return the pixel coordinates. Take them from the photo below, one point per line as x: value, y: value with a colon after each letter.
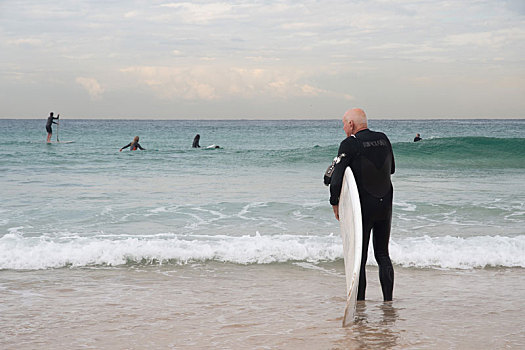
x: 276, y: 51
x: 216, y: 83
x: 516, y: 5
x: 92, y: 86
x: 25, y: 41
x: 202, y: 13
x: 131, y: 14
x: 480, y: 39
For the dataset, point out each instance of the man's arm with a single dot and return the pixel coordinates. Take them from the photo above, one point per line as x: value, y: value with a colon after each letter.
x: 335, y: 208
x: 129, y: 144
x: 336, y: 182
x: 393, y: 167
x: 336, y: 185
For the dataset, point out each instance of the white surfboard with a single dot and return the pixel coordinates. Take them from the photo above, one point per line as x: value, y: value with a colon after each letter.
x: 60, y: 141
x: 352, y: 235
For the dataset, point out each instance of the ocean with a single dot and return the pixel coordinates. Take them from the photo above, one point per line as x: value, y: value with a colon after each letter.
x: 237, y: 248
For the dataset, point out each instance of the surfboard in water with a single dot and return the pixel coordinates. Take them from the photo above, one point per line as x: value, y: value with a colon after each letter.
x: 352, y: 234
x: 61, y: 142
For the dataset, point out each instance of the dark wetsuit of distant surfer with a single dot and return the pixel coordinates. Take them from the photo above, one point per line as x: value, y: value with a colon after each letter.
x: 50, y: 121
x: 196, y: 141
x: 417, y: 138
x: 133, y: 145
x: 370, y: 156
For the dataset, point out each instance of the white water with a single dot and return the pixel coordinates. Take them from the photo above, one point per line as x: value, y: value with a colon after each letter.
x: 18, y: 252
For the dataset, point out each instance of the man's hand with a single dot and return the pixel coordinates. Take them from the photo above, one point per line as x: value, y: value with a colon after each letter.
x: 336, y: 211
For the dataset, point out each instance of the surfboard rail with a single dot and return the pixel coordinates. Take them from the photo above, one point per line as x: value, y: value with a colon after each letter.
x: 352, y: 236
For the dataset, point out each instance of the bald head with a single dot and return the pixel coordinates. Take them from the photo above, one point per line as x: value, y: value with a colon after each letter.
x: 354, y: 120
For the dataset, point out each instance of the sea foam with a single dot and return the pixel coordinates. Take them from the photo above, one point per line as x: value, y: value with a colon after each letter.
x: 29, y: 253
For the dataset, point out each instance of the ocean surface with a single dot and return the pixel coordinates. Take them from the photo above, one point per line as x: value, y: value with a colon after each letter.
x: 237, y: 247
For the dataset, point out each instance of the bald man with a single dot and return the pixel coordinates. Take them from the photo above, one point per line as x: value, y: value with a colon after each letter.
x: 370, y: 156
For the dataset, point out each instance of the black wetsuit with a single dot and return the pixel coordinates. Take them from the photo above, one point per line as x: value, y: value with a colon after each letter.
x: 49, y: 122
x: 417, y: 138
x: 133, y: 146
x: 370, y: 156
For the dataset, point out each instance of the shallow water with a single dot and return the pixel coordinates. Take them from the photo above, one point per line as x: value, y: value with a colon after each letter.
x: 229, y: 306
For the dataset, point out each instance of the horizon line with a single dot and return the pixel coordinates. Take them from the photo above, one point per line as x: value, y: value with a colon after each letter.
x: 265, y: 119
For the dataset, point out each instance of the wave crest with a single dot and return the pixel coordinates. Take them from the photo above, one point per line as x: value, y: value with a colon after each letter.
x: 25, y: 253
x: 462, y: 152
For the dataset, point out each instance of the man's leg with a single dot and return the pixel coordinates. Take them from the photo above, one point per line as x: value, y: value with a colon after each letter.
x: 380, y: 240
x: 364, y: 255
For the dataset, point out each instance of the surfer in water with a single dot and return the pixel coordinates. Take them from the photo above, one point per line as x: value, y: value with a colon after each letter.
x: 133, y: 145
x: 417, y: 138
x: 196, y: 141
x: 50, y: 121
x: 370, y: 156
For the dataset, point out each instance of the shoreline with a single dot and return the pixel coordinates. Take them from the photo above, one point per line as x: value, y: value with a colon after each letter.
x: 231, y: 306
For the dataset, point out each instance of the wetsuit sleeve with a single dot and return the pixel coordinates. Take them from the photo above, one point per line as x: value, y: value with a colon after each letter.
x: 142, y: 149
x: 339, y: 172
x: 393, y: 169
x: 393, y: 166
x: 129, y: 144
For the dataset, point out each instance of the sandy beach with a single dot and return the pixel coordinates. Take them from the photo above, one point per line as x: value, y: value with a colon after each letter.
x: 276, y: 306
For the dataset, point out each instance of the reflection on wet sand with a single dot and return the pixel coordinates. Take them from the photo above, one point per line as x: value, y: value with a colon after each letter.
x: 372, y: 327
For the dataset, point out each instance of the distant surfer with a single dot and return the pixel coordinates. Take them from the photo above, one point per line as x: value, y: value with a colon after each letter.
x: 133, y: 145
x: 50, y: 121
x: 417, y: 138
x: 196, y: 141
x: 370, y: 156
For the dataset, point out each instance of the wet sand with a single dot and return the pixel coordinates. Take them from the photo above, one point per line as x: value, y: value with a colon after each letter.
x: 277, y: 306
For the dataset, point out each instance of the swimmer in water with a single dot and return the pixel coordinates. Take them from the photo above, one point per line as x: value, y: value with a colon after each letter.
x: 196, y: 141
x: 417, y: 138
x: 133, y: 145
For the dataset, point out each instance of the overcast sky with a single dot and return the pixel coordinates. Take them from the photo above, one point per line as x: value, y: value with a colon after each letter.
x: 262, y: 59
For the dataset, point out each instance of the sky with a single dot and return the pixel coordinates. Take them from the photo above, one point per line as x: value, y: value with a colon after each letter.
x: 262, y: 59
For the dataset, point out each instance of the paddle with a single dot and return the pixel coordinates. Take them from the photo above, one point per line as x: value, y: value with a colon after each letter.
x: 58, y: 124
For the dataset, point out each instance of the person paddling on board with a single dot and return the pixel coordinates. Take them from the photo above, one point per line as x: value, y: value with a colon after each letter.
x: 196, y: 141
x: 417, y: 138
x: 133, y: 145
x: 50, y: 121
x: 371, y: 158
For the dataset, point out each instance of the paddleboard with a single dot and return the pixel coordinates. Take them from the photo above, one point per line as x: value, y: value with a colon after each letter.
x: 352, y: 234
x: 61, y: 142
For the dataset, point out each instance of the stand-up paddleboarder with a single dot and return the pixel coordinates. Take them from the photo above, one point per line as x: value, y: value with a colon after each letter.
x: 50, y: 121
